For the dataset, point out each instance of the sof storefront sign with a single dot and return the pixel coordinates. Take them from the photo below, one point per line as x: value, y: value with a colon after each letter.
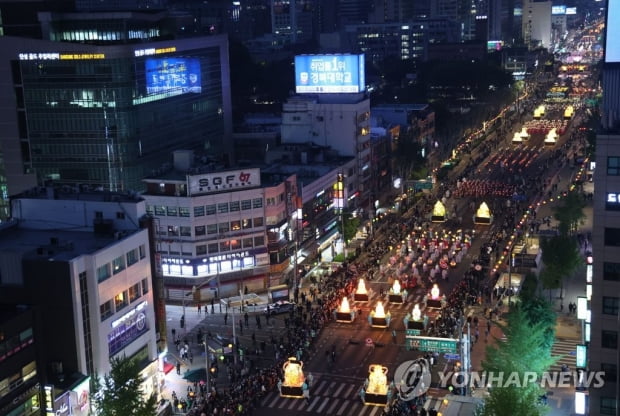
x: 223, y: 181
x: 127, y: 328
x: 221, y: 263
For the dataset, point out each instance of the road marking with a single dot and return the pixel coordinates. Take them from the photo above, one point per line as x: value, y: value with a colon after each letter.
x: 331, y: 409
x: 294, y: 402
x: 374, y: 411
x: 349, y: 391
x: 313, y: 403
x: 320, y: 409
x: 344, y: 406
x: 337, y: 393
x: 285, y: 401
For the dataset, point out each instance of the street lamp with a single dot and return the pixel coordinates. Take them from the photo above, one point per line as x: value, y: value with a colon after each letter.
x: 207, y: 366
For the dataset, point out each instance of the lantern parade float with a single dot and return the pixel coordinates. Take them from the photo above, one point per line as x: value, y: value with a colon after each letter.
x: 415, y: 320
x: 361, y: 294
x: 376, y: 386
x: 396, y: 294
x: 439, y: 212
x: 483, y: 215
x: 434, y: 300
x: 293, y: 378
x: 344, y: 313
x: 378, y: 318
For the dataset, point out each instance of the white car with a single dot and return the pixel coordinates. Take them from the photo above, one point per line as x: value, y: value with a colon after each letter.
x: 279, y: 307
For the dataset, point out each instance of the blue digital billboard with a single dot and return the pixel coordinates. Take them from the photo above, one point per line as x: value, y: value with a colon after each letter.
x: 172, y: 75
x: 329, y: 73
x: 612, y: 42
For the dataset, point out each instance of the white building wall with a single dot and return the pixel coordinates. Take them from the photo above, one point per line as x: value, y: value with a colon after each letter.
x: 536, y: 22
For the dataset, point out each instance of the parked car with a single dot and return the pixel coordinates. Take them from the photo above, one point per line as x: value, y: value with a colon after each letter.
x: 282, y: 306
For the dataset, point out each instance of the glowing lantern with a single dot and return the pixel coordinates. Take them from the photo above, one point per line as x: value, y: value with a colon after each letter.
x: 435, y: 292
x: 396, y: 287
x: 377, y: 380
x: 416, y: 313
x: 293, y: 373
x: 379, y: 311
x: 361, y: 287
x: 344, y: 306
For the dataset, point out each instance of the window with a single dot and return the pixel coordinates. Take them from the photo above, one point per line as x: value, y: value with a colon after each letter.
x: 213, y: 248
x: 105, y: 309
x: 120, y: 215
x: 145, y: 286
x: 258, y: 222
x: 248, y: 242
x: 611, y: 271
x: 612, y: 237
x: 201, y: 250
x: 235, y: 244
x: 171, y: 211
x: 199, y: 211
x: 212, y: 229
x: 613, y: 166
x: 160, y: 210
x: 99, y: 215
x: 246, y: 204
x: 103, y: 272
x: 183, y: 212
x: 246, y: 223
x: 225, y: 246
x: 608, y: 405
x: 235, y: 225
x: 610, y: 372
x: 149, y: 209
x: 211, y: 210
x: 121, y: 300
x: 610, y: 305
x: 173, y: 231
x: 234, y: 206
x: 222, y: 208
x: 257, y: 203
x: 132, y: 257
x: 142, y: 250
x: 186, y: 231
x: 200, y: 230
x: 134, y: 292
x: 223, y: 227
x: 609, y: 339
x: 118, y: 264
x: 259, y: 241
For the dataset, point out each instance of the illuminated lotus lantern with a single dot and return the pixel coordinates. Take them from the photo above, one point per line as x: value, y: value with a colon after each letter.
x: 551, y: 137
x: 414, y: 320
x: 361, y: 294
x: 439, y: 212
x: 293, y: 378
x: 344, y: 312
x: 396, y: 294
x: 376, y: 386
x: 379, y: 318
x: 483, y: 214
x: 434, y: 300
x: 516, y: 139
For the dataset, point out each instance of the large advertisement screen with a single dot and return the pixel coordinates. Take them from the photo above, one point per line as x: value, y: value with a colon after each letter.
x: 172, y: 75
x: 612, y: 43
x: 329, y: 73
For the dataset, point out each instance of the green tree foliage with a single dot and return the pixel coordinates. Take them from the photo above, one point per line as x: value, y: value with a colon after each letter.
x: 524, y: 350
x: 561, y: 258
x: 120, y: 392
x: 351, y: 225
x: 569, y: 213
x: 529, y: 287
x: 540, y: 311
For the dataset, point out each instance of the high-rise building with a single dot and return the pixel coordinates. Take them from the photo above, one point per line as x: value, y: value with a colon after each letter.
x: 603, y: 351
x: 105, y: 115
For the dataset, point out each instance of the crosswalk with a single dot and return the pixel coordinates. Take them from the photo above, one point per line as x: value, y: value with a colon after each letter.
x: 566, y: 350
x: 327, y: 397
x: 373, y: 297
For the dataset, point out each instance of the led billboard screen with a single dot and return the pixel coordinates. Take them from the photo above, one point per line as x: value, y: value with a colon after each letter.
x: 555, y: 10
x: 329, y: 73
x: 612, y: 43
x: 172, y: 75
x: 571, y: 10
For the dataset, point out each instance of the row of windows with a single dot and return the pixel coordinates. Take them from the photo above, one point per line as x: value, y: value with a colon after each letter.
x: 225, y: 246
x: 14, y: 344
x: 211, y: 229
x: 123, y: 299
x: 202, y: 210
x: 608, y: 406
x: 120, y: 263
x: 17, y: 379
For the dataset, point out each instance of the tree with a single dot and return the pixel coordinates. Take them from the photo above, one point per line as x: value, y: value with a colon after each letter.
x: 523, y: 350
x: 561, y: 257
x: 120, y: 392
x: 539, y: 310
x: 351, y: 225
x: 569, y: 213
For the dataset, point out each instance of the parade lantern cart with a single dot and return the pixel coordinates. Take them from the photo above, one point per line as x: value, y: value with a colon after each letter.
x: 439, y: 212
x: 434, y: 300
x: 396, y: 294
x: 361, y: 294
x: 294, y: 378
x: 344, y: 313
x: 483, y: 215
x: 376, y: 388
x: 414, y: 320
x: 378, y: 318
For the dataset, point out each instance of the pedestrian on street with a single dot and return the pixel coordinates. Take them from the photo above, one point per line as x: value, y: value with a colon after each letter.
x: 226, y: 318
x: 199, y: 308
x: 178, y: 367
